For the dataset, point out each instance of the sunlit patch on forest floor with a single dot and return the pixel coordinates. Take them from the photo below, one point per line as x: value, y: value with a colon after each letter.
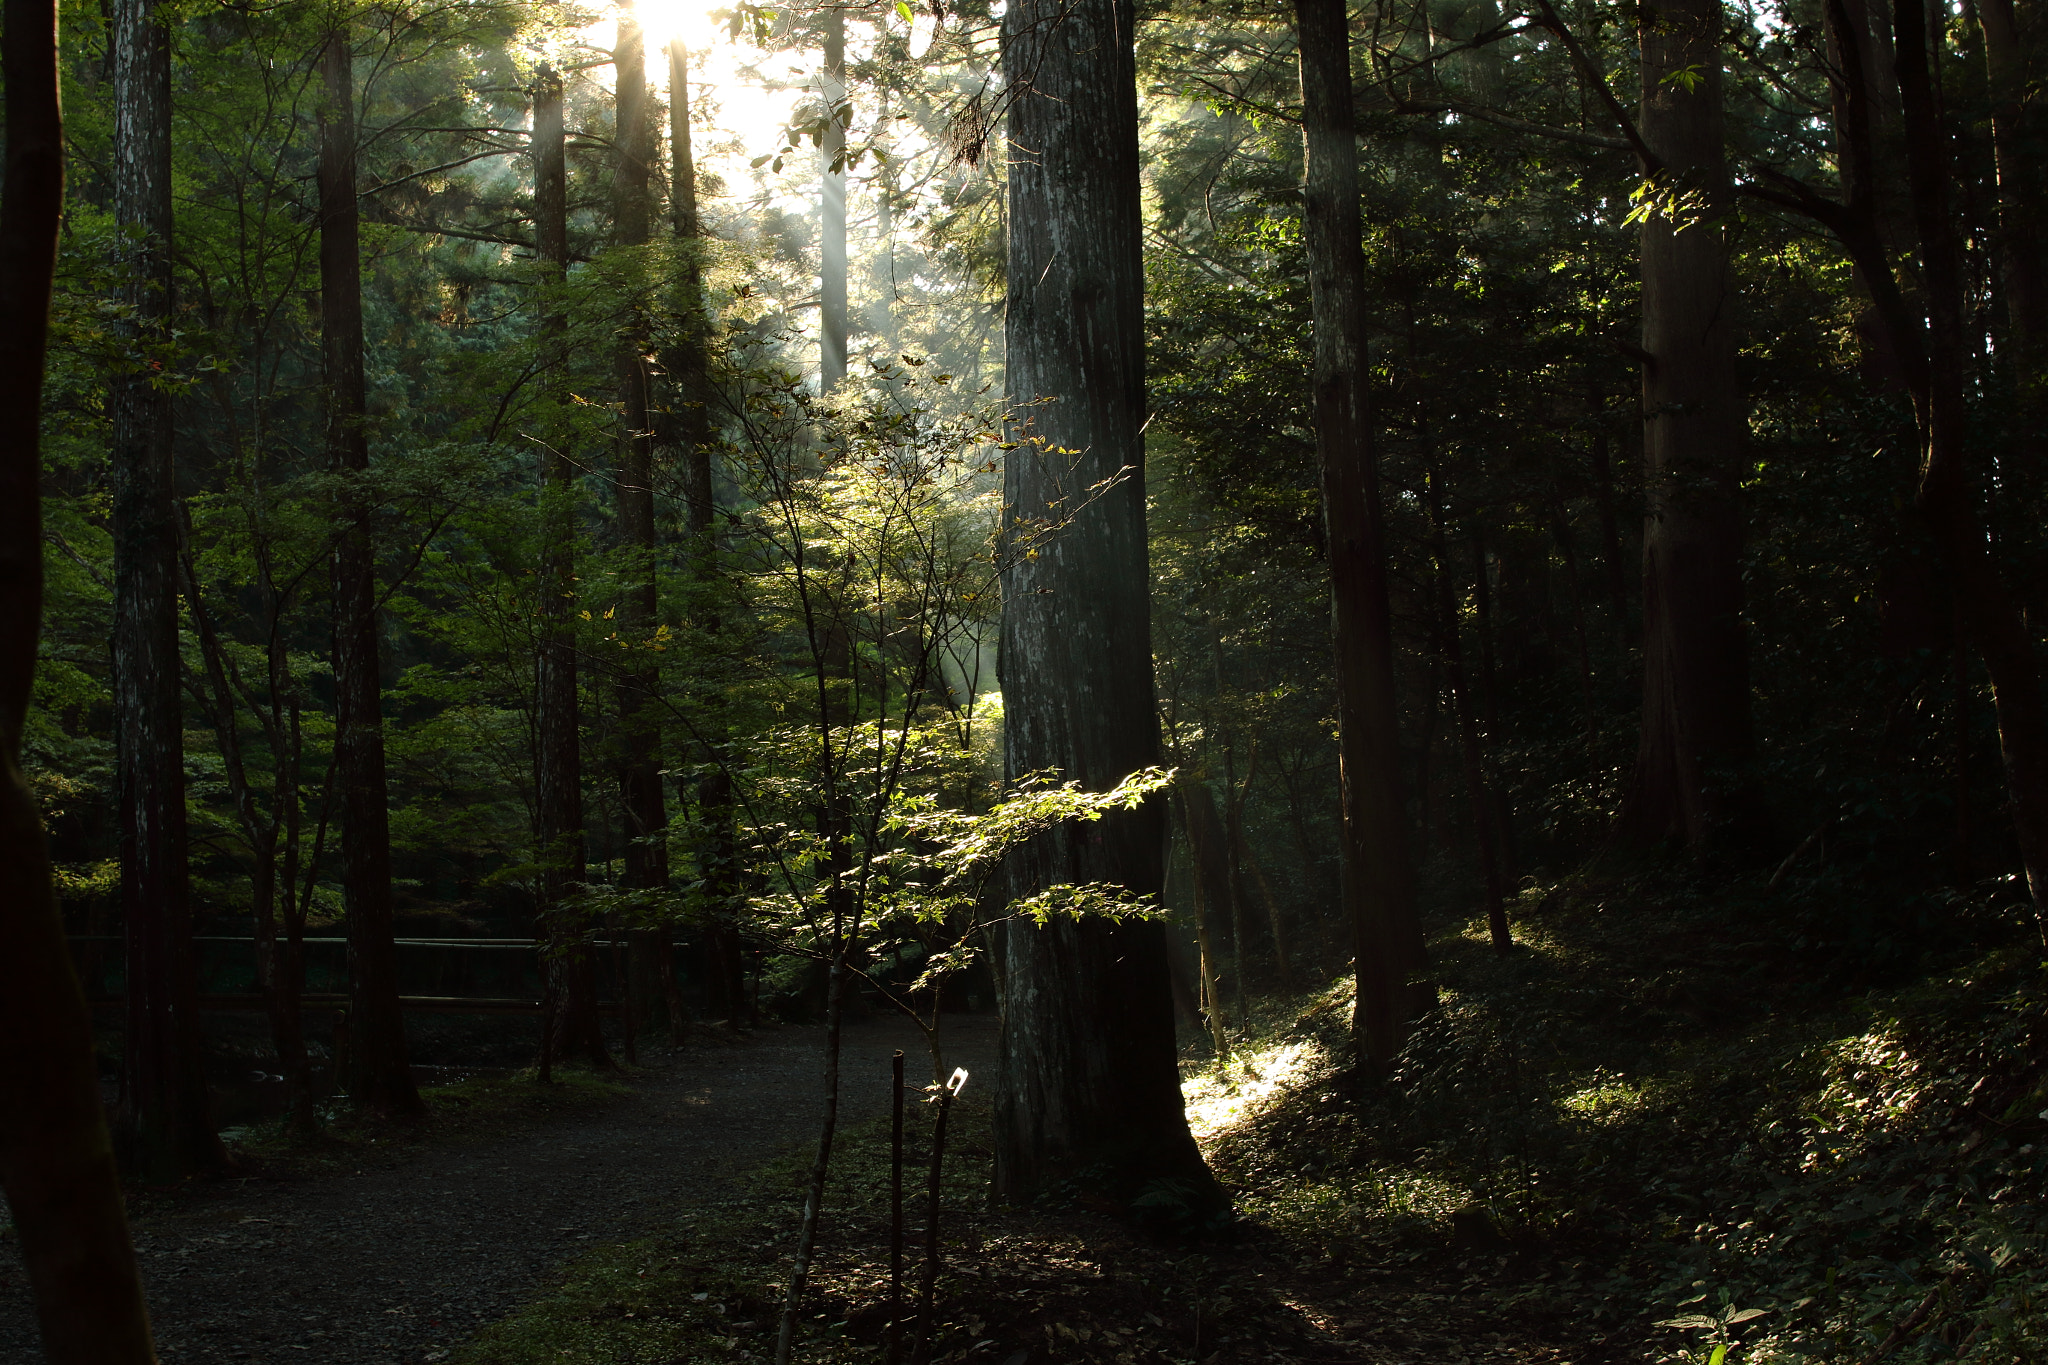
x: 1017, y: 1286
x: 1677, y: 1120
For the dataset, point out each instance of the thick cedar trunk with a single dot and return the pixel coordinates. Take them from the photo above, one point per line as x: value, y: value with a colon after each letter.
x: 56, y: 1158
x: 1695, y: 735
x: 574, y: 1026
x: 639, y: 686
x: 1947, y: 501
x: 166, y: 1117
x: 1379, y: 879
x: 1089, y: 1079
x: 378, y: 1075
x: 724, y: 957
x: 832, y: 212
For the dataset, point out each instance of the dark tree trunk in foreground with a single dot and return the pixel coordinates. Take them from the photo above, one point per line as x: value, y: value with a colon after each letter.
x: 1378, y: 868
x: 1695, y: 721
x: 724, y: 959
x: 575, y: 1027
x: 639, y: 685
x: 1991, y: 612
x: 56, y: 1156
x: 166, y: 1116
x: 1088, y: 1073
x: 376, y: 1069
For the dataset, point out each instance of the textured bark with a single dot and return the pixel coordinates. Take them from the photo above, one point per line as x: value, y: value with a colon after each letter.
x: 652, y: 966
x: 574, y: 1026
x: 1089, y: 1087
x: 376, y: 1069
x: 166, y: 1120
x: 1695, y: 735
x: 1378, y: 867
x: 1947, y: 502
x: 832, y: 212
x: 56, y: 1157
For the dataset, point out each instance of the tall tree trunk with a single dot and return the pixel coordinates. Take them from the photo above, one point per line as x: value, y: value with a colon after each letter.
x: 832, y: 211
x: 717, y: 860
x: 1947, y: 501
x: 2015, y: 130
x: 1209, y: 874
x: 56, y: 1158
x: 1695, y: 721
x: 1089, y: 1078
x: 575, y: 1026
x: 379, y: 1076
x: 651, y: 964
x: 1451, y: 649
x: 1378, y: 866
x: 1246, y: 858
x: 166, y: 1114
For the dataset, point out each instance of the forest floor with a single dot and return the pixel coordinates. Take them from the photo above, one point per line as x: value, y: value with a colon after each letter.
x: 397, y: 1251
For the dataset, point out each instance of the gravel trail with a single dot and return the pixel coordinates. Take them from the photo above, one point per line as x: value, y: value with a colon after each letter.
x: 395, y: 1266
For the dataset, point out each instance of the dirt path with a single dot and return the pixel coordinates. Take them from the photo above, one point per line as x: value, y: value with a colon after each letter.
x: 395, y: 1266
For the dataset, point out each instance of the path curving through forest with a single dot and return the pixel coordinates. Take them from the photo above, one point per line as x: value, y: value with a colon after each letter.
x: 396, y: 1266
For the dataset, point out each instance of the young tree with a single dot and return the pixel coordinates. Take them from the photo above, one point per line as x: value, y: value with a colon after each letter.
x: 56, y: 1158
x: 1089, y: 1080
x: 165, y: 1109
x: 1695, y: 733
x: 832, y: 210
x: 378, y: 1073
x: 1378, y: 863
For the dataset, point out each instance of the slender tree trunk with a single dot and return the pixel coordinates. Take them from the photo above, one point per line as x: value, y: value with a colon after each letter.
x: 1200, y: 826
x: 1947, y: 502
x: 1089, y: 1077
x: 56, y: 1157
x: 279, y: 987
x: 575, y: 1025
x: 1695, y: 722
x: 1247, y: 858
x: 166, y: 1114
x: 651, y: 963
x: 1451, y: 648
x: 379, y: 1075
x: 717, y: 860
x: 2014, y: 138
x: 1378, y: 866
x: 832, y: 211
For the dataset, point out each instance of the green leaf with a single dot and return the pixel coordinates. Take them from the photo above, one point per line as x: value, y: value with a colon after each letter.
x: 903, y: 8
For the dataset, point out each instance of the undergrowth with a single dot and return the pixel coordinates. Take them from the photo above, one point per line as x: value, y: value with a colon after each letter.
x: 1680, y: 1121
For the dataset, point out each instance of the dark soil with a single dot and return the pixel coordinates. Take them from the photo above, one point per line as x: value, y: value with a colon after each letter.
x: 410, y: 1255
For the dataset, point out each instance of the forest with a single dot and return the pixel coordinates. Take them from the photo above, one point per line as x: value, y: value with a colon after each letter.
x: 1024, y: 681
